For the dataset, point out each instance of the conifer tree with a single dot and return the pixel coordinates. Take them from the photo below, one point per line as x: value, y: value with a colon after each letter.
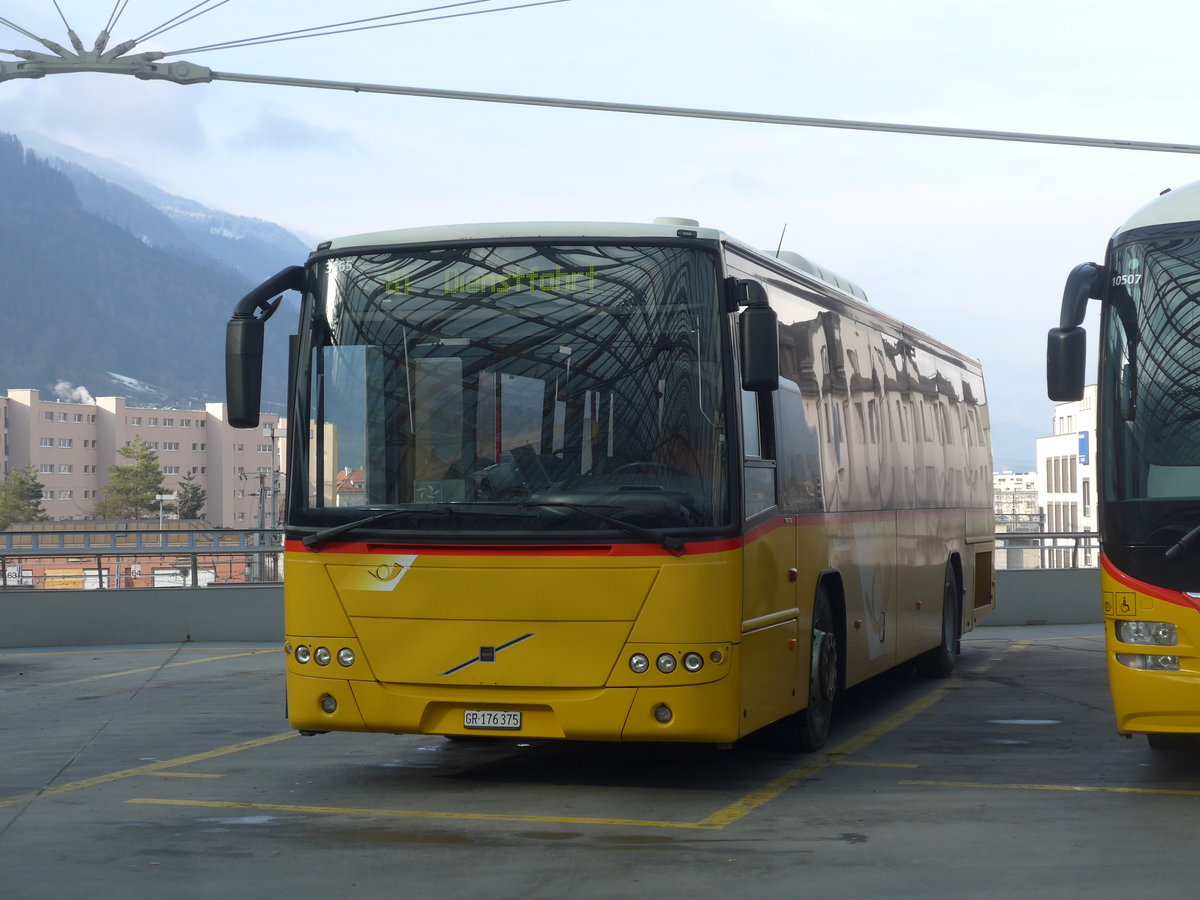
x: 21, y: 497
x: 132, y: 489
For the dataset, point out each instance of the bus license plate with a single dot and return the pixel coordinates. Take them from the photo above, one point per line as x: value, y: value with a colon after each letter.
x: 503, y: 719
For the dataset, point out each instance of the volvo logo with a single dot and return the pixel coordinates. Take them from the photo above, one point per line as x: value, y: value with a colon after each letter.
x: 487, y: 654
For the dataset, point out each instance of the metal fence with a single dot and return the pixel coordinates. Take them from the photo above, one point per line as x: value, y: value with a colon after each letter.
x: 104, y: 560
x: 1047, y: 550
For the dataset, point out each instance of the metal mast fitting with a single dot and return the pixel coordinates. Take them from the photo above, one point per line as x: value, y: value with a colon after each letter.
x: 140, y: 65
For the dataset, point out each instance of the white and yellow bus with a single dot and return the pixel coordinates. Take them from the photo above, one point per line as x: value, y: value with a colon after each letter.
x: 1147, y: 457
x: 611, y: 482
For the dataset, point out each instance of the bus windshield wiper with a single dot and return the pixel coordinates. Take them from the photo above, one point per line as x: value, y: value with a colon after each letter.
x: 1183, y: 543
x: 670, y: 543
x: 333, y: 531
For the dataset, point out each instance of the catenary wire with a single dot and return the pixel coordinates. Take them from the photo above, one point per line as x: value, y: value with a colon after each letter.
x: 316, y: 32
x: 179, y: 19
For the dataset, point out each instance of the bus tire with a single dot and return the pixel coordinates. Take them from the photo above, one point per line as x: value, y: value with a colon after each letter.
x: 939, y: 662
x: 1172, y: 742
x: 807, y: 730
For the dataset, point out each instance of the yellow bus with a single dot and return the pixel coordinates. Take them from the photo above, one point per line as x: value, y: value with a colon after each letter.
x: 1148, y: 456
x: 611, y: 482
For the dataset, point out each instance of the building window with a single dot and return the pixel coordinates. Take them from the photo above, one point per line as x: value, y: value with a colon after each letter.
x: 47, y: 494
x: 170, y: 445
x: 77, y: 418
x: 49, y: 417
x: 170, y: 470
x: 64, y: 442
x: 64, y: 495
x: 47, y: 468
x: 168, y: 423
x: 65, y: 469
x: 152, y: 422
x: 185, y: 423
x: 136, y: 420
x: 239, y: 448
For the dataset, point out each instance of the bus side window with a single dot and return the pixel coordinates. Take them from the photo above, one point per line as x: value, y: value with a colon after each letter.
x: 758, y: 450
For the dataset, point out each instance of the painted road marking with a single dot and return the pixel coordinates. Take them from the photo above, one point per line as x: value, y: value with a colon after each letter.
x: 144, y: 669
x: 1067, y: 788
x: 150, y: 769
x: 718, y: 820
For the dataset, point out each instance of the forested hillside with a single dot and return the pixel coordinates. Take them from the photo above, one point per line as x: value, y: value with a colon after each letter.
x: 131, y: 307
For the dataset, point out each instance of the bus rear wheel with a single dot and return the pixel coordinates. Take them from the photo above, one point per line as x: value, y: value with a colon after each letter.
x: 939, y: 662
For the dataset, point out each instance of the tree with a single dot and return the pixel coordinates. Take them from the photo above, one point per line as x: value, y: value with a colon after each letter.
x: 21, y: 497
x: 131, y: 490
x: 189, y: 498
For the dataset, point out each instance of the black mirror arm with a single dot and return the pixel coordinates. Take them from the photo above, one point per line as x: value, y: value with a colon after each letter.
x: 258, y: 300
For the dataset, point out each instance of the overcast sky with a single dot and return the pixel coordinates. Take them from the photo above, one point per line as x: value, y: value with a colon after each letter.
x: 968, y: 240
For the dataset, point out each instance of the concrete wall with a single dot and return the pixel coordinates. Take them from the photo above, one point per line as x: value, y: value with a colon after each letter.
x: 148, y: 616
x: 1046, y: 597
x: 255, y: 612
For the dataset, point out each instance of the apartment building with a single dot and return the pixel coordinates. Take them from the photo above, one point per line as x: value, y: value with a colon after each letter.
x: 72, y: 445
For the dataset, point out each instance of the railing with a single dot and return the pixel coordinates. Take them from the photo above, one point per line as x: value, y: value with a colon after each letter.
x: 101, y: 560
x: 1047, y: 550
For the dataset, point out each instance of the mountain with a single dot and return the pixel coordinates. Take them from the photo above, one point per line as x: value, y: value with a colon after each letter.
x: 124, y: 292
x: 255, y: 248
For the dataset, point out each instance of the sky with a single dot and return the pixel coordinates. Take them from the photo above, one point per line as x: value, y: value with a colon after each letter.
x: 968, y: 240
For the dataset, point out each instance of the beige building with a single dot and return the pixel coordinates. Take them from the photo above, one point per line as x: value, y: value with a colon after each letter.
x: 72, y: 445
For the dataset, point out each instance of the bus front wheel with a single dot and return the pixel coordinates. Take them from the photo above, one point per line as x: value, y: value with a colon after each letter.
x: 807, y: 730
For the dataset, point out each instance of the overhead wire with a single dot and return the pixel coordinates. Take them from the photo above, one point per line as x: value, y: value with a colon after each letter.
x: 180, y: 20
x: 339, y: 28
x: 17, y: 28
x: 115, y: 16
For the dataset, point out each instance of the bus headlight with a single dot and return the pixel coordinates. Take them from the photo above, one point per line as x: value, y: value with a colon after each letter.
x: 1161, y: 633
x: 666, y: 663
x: 322, y: 656
x: 345, y: 657
x: 639, y: 663
x: 1149, y: 663
x: 693, y: 662
x: 303, y: 654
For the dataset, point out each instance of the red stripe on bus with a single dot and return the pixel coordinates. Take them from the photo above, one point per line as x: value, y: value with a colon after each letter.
x: 721, y: 545
x: 1150, y: 590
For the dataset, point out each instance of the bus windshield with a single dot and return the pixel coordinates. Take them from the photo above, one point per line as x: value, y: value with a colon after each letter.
x: 513, y: 389
x: 1150, y: 384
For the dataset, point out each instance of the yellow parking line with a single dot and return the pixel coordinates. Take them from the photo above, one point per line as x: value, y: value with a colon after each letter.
x: 151, y: 769
x: 143, y: 669
x: 721, y: 819
x: 419, y: 814
x: 1068, y: 788
x: 755, y: 799
x: 877, y: 765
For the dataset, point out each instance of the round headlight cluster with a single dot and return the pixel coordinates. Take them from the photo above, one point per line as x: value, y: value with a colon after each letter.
x: 322, y: 656
x: 667, y: 662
